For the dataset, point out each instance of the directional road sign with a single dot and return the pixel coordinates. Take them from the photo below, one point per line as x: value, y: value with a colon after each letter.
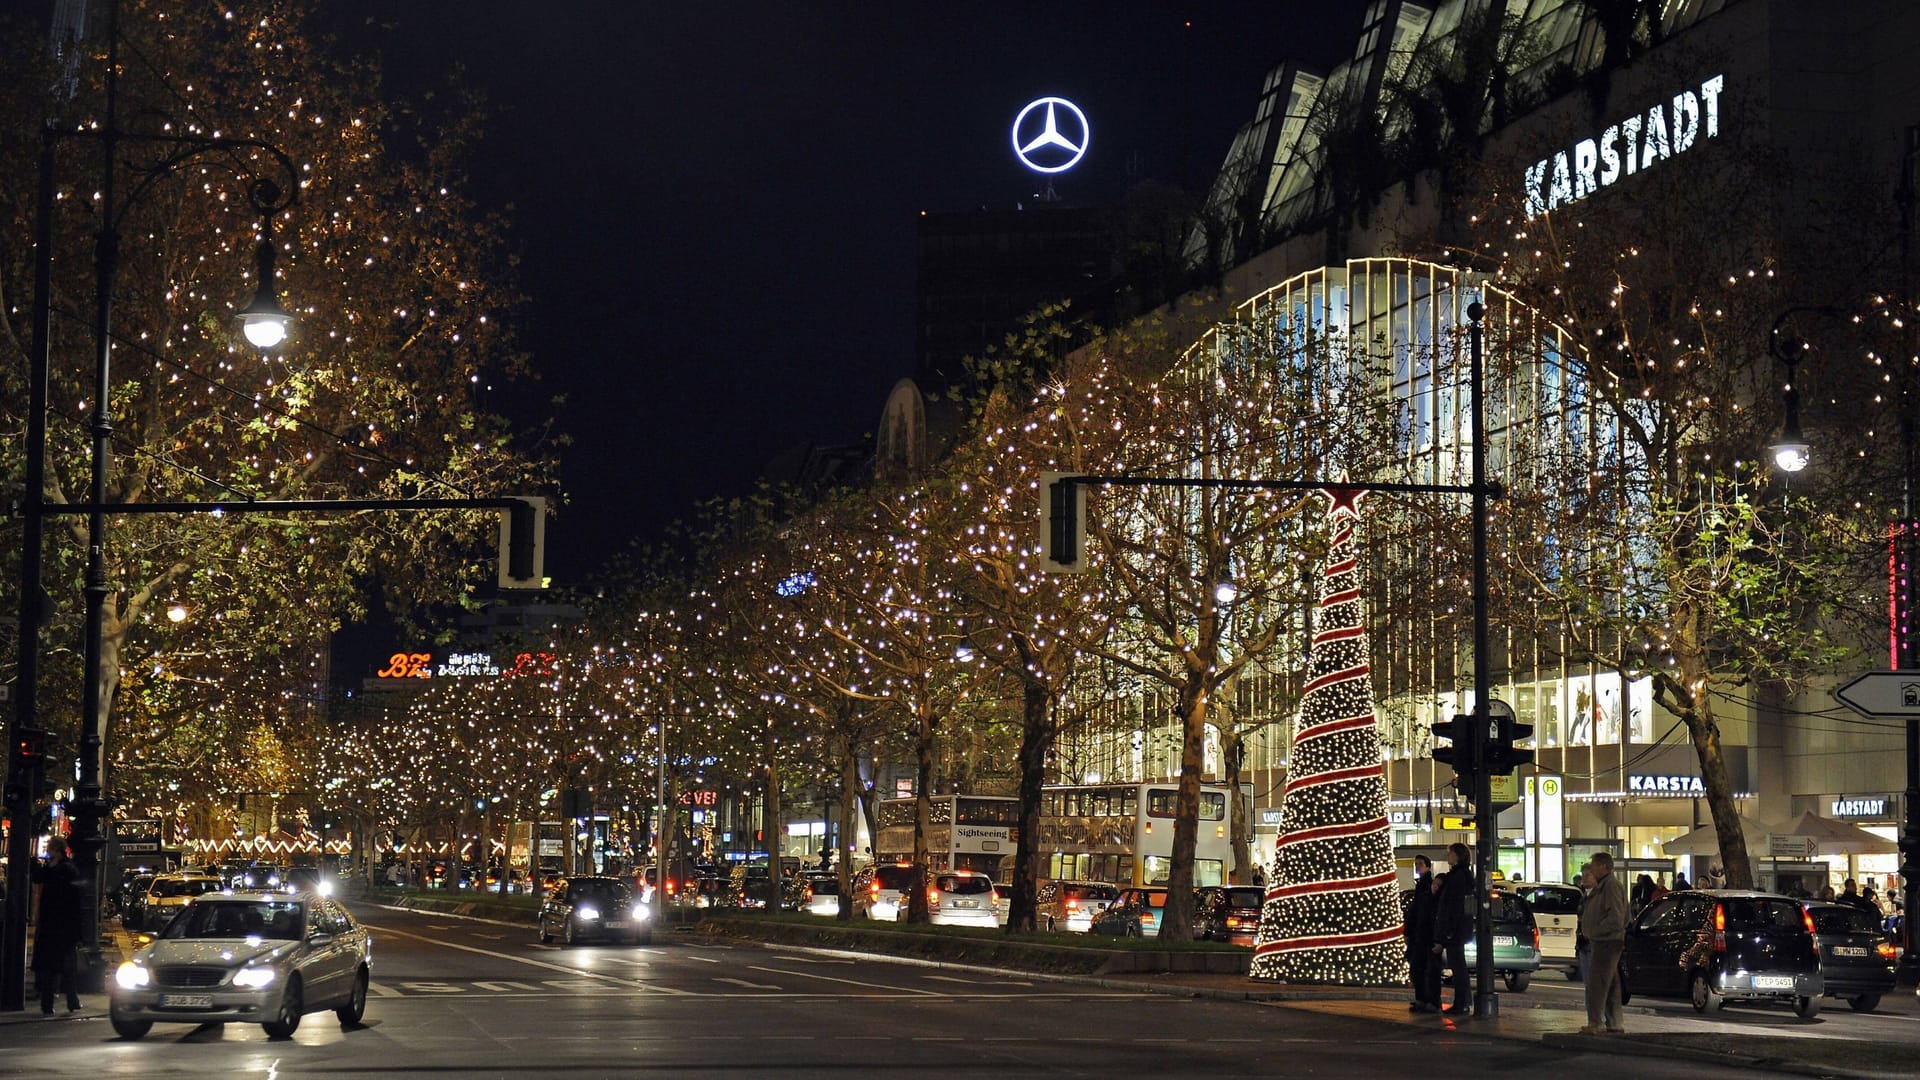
x: 1883, y: 693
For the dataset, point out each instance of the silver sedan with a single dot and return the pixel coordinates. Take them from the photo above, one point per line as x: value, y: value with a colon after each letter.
x: 264, y: 958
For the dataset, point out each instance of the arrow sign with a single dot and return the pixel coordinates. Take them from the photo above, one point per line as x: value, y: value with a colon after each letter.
x: 1883, y: 693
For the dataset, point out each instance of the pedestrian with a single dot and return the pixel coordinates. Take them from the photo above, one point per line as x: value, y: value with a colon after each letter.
x: 56, y: 932
x: 1453, y: 921
x: 1581, y: 951
x: 1603, y: 922
x: 1851, y: 895
x: 1680, y: 883
x: 1423, y: 968
x: 1642, y: 891
x: 1826, y: 893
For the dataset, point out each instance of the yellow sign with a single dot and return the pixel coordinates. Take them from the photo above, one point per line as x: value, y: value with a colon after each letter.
x: 1459, y: 824
x: 1505, y: 788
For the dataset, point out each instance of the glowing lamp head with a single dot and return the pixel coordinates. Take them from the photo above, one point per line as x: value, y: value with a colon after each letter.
x: 1791, y: 454
x: 1225, y: 592
x: 264, y: 321
x: 177, y: 613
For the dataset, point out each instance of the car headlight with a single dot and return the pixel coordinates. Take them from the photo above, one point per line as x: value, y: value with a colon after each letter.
x: 253, y: 978
x: 325, y: 888
x: 132, y: 976
x: 642, y: 912
x: 587, y: 913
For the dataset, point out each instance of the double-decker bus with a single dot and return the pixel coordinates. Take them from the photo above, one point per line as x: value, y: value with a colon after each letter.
x: 1123, y: 833
x: 1119, y: 833
x: 964, y: 832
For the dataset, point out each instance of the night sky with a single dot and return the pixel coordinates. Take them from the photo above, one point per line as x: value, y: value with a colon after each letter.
x: 715, y: 204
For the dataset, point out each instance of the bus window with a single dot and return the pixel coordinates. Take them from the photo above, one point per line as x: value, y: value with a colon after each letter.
x: 1213, y: 807
x: 1157, y: 867
x: 1161, y: 802
x: 1130, y: 802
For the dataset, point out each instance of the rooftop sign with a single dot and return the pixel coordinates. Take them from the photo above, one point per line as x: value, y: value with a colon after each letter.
x: 1632, y: 145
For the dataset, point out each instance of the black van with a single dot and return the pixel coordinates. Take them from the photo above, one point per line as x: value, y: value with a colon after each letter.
x: 1717, y: 946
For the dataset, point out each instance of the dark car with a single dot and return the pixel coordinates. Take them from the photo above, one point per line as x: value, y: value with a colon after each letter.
x: 1722, y: 945
x: 1135, y: 913
x: 1856, y: 959
x: 586, y: 908
x: 1228, y: 913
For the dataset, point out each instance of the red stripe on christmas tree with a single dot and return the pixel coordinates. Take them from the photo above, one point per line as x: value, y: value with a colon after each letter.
x: 1333, y: 912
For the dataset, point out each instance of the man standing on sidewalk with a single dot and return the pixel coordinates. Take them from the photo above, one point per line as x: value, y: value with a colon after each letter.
x: 57, y: 931
x: 1603, y: 922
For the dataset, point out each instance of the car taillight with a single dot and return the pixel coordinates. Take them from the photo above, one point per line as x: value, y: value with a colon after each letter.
x: 1807, y: 917
x: 1886, y: 950
x: 669, y: 886
x: 1719, y: 928
x: 933, y: 897
x: 807, y: 893
x: 873, y: 888
x: 1536, y: 939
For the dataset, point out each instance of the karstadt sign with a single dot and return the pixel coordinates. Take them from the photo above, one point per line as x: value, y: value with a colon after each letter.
x: 1633, y: 144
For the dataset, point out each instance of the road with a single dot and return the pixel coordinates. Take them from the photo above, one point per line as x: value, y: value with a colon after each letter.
x: 454, y: 997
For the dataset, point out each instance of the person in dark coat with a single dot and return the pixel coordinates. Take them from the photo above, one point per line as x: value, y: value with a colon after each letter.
x: 1453, y: 926
x: 1422, y: 966
x: 56, y: 933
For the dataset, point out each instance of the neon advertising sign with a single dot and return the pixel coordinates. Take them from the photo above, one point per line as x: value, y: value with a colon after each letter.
x: 1633, y: 144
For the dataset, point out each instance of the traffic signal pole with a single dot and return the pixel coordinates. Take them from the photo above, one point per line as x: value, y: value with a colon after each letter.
x: 1486, y: 1003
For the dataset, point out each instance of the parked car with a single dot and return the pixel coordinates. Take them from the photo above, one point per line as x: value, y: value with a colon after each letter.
x: 1717, y: 946
x: 168, y: 894
x: 1134, y: 913
x: 820, y: 892
x: 1856, y: 958
x: 1071, y: 905
x: 961, y: 898
x: 587, y: 907
x: 880, y: 891
x: 1556, y: 913
x: 266, y: 958
x: 133, y: 899
x: 1516, y: 939
x: 1229, y: 913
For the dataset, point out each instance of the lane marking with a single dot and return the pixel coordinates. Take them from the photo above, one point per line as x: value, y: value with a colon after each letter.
x: 501, y: 987
x: 703, y: 959
x: 745, y: 983
x: 382, y: 990
x: 977, y: 982
x: 614, y: 979
x: 852, y: 982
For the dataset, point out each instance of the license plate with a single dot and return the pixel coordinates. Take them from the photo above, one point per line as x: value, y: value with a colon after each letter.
x: 617, y: 924
x: 964, y: 903
x: 1849, y: 950
x: 1557, y: 931
x: 186, y: 1001
x: 1773, y: 982
x: 1503, y: 939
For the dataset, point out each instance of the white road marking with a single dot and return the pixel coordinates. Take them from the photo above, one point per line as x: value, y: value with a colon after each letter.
x: 852, y: 982
x: 977, y: 982
x: 703, y: 959
x: 745, y: 983
x: 615, y: 979
x: 502, y: 987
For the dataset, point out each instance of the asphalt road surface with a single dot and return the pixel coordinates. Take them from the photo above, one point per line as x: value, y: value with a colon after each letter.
x: 456, y: 997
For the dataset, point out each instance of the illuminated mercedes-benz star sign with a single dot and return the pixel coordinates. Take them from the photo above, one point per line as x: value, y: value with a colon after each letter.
x: 1039, y: 141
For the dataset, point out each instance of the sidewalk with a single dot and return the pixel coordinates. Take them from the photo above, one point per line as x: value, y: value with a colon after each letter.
x: 92, y: 1006
x: 1800, y: 1049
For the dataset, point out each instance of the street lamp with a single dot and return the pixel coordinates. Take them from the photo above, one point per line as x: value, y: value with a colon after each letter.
x: 262, y: 320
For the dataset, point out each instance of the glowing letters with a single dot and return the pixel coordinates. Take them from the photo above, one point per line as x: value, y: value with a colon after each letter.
x: 1632, y: 145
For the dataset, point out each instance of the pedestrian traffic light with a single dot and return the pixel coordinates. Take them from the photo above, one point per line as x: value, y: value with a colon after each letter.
x: 1460, y: 753
x: 523, y: 543
x: 1503, y: 756
x: 1063, y: 523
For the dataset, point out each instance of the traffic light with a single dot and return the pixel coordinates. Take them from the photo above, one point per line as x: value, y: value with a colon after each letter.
x: 30, y: 748
x: 523, y: 543
x: 1502, y: 755
x: 1063, y: 523
x: 1461, y: 754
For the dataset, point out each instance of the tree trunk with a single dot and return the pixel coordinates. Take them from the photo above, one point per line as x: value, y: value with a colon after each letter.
x: 772, y: 827
x: 1036, y: 735
x: 1233, y: 753
x: 1713, y: 776
x: 917, y: 908
x: 1176, y: 919
x: 849, y: 806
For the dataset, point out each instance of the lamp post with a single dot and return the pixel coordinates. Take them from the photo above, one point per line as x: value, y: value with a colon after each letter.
x: 263, y: 321
x: 1792, y: 453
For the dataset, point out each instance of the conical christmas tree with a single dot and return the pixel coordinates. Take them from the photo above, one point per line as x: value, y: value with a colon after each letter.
x: 1333, y: 907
